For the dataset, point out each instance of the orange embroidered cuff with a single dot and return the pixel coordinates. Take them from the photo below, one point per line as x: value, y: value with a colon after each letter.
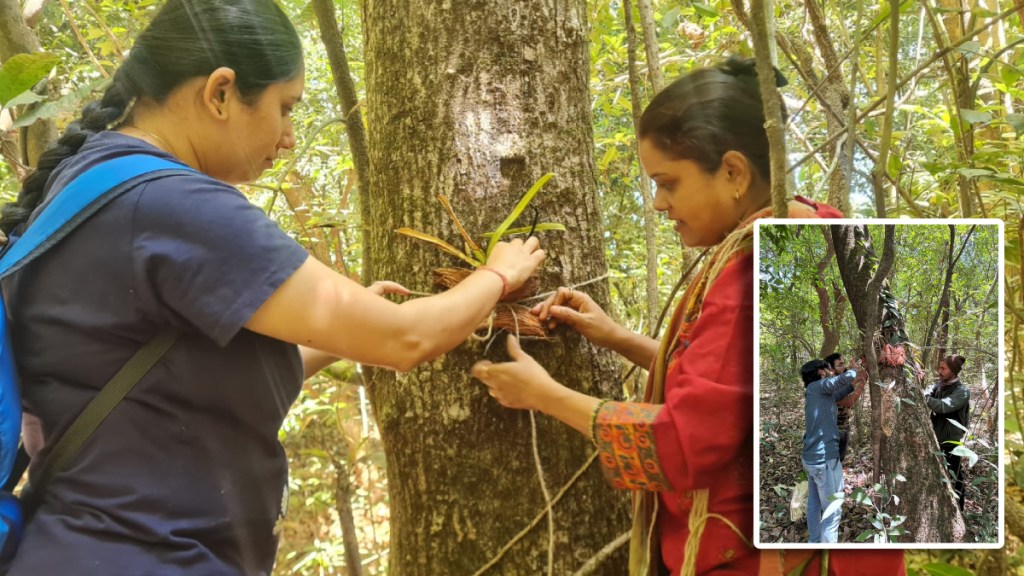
x: 624, y: 435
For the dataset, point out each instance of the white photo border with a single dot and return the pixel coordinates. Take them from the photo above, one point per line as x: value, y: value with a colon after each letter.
x: 1000, y: 540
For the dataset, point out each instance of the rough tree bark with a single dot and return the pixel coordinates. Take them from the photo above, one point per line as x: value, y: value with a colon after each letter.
x: 476, y: 101
x: 17, y: 38
x: 902, y: 438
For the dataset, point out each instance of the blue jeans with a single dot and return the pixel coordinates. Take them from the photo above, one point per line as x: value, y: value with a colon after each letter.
x: 824, y: 482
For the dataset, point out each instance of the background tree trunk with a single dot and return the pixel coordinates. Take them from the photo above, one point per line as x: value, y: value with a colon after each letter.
x: 939, y: 341
x: 830, y: 315
x: 331, y: 36
x: 476, y: 101
x: 646, y: 194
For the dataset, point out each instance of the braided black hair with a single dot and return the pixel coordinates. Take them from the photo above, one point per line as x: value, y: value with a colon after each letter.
x: 185, y: 40
x: 709, y: 112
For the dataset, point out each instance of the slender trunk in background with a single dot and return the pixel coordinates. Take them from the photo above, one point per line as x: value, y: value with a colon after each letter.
x: 650, y: 220
x: 884, y: 143
x: 650, y: 43
x: 330, y: 33
x: 762, y: 28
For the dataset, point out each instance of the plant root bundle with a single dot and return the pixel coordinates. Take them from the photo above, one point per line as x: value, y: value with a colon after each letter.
x: 448, y: 277
x: 512, y: 318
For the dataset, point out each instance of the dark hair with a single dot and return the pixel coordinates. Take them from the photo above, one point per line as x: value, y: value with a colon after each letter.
x: 709, y: 112
x: 809, y: 371
x: 955, y: 362
x: 831, y: 359
x: 185, y: 40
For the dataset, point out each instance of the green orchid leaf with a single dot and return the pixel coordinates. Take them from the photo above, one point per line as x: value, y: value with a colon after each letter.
x: 518, y: 210
x: 542, y: 227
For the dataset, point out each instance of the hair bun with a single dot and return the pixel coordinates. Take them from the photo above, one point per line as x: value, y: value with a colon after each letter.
x: 740, y: 67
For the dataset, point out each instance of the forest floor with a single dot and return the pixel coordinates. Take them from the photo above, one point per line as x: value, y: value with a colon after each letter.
x: 781, y: 443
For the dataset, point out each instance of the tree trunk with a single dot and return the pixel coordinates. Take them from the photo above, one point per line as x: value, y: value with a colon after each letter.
x: 942, y: 310
x: 651, y: 45
x: 830, y: 317
x: 762, y: 28
x: 331, y: 36
x: 17, y: 38
x: 913, y: 451
x: 834, y: 97
x: 885, y: 138
x: 477, y: 102
x: 646, y: 194
x: 343, y: 494
x: 902, y: 438
x: 930, y: 337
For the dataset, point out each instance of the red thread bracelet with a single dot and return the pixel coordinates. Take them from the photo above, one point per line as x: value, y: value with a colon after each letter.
x: 504, y: 280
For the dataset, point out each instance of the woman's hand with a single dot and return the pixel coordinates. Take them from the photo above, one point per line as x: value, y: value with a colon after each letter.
x: 517, y: 260
x: 383, y: 287
x: 578, y: 310
x: 521, y: 383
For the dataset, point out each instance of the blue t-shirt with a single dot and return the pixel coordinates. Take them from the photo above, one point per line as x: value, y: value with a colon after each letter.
x: 821, y: 434
x: 186, y: 475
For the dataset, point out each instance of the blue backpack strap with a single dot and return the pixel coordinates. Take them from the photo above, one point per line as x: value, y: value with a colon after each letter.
x: 71, y: 206
x: 82, y: 198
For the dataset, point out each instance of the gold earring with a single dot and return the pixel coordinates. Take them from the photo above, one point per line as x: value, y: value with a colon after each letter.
x: 737, y: 195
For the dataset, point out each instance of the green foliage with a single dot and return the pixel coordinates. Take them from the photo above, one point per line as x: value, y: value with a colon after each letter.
x: 63, y: 106
x: 21, y: 73
x: 885, y: 526
x: 946, y: 570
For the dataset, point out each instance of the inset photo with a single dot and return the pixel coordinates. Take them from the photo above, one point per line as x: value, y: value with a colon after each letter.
x: 878, y: 383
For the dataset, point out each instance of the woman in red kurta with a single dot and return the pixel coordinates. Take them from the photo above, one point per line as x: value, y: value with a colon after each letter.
x: 687, y: 449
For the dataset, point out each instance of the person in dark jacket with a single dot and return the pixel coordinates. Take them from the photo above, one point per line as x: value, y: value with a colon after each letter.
x: 949, y: 400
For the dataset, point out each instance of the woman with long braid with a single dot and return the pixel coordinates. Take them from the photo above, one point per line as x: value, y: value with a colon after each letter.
x: 186, y: 475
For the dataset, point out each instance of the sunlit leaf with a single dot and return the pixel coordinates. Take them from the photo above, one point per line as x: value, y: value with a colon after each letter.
x: 22, y: 72
x: 704, y: 10
x: 473, y: 248
x: 964, y: 451
x: 836, y: 504
x: 62, y: 105
x: 974, y: 116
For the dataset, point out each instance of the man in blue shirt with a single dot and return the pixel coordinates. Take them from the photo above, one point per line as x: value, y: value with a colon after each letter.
x: 845, y: 406
x: 821, y: 445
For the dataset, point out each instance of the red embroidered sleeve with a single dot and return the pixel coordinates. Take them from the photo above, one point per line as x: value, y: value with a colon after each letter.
x: 624, y: 436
